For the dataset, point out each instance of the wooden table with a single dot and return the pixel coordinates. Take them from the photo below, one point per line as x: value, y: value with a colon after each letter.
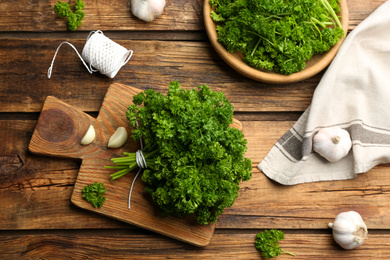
x: 37, y: 218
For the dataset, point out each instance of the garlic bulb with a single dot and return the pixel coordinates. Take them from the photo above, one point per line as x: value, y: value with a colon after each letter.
x: 89, y: 136
x: 349, y: 230
x: 147, y: 10
x: 118, y: 139
x: 333, y: 143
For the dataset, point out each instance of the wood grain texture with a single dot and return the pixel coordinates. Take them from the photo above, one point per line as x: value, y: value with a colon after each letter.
x: 154, y: 65
x: 38, y: 16
x: 106, y: 15
x: 191, y: 63
x: 37, y: 190
x: 124, y: 244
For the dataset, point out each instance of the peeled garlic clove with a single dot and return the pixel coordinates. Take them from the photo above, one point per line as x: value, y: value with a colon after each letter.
x: 332, y: 143
x: 118, y: 139
x: 349, y: 230
x: 147, y: 10
x: 89, y: 136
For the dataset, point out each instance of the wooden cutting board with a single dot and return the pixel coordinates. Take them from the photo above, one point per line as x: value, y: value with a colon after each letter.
x: 59, y: 131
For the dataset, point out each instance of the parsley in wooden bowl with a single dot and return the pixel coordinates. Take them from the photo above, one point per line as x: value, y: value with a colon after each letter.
x: 276, y: 41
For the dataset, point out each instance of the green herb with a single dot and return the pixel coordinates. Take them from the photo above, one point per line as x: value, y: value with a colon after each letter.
x: 93, y: 193
x: 74, y: 19
x: 278, y: 35
x: 195, y: 158
x: 268, y: 243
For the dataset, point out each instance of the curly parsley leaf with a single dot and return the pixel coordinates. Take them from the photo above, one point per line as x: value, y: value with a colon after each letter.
x: 73, y: 18
x: 62, y: 9
x: 268, y: 243
x: 93, y: 193
x: 277, y: 35
x: 79, y: 5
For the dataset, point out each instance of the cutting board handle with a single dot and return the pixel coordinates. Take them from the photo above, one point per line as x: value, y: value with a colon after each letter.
x: 60, y: 129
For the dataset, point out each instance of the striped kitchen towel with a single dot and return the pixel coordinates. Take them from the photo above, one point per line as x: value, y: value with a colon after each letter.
x: 353, y: 94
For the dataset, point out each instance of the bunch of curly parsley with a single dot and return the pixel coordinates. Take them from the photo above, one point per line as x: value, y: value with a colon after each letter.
x: 278, y: 35
x: 74, y: 18
x: 199, y: 161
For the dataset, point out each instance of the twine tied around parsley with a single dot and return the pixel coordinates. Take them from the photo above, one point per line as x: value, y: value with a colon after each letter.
x: 130, y: 162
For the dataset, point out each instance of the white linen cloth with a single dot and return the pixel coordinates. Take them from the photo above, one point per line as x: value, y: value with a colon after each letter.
x: 354, y: 94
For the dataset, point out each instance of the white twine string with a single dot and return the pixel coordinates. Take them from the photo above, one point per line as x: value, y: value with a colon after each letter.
x: 101, y: 53
x: 140, y: 159
x: 141, y: 162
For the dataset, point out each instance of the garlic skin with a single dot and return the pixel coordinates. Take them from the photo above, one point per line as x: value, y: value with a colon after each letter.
x: 118, y: 139
x: 89, y: 136
x: 147, y: 10
x: 349, y: 230
x: 332, y: 143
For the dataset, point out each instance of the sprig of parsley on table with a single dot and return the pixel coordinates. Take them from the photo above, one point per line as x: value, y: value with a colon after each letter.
x: 277, y: 35
x: 73, y: 18
x: 268, y: 243
x: 93, y: 193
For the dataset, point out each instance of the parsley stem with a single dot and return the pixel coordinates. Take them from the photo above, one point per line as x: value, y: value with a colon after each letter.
x: 123, y: 159
x: 257, y: 45
x: 123, y: 164
x: 318, y: 22
x: 277, y: 16
x: 120, y: 173
x: 324, y: 24
x: 331, y: 11
x: 128, y: 163
x: 148, y: 155
x: 113, y: 167
x: 262, y: 38
x: 318, y: 30
x: 287, y: 252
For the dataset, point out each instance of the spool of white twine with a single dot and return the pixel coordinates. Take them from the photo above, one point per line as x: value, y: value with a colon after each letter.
x: 101, y: 53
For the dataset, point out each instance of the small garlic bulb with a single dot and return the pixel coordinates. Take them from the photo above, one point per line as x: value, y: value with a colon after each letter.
x: 147, y: 10
x: 332, y: 143
x: 349, y: 230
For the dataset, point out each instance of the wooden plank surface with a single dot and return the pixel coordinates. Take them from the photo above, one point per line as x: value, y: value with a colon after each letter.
x: 143, y: 245
x: 38, y: 16
x: 37, y: 217
x: 153, y: 65
x: 48, y: 183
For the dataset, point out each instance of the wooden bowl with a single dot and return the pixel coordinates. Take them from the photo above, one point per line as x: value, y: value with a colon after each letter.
x: 313, y: 66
